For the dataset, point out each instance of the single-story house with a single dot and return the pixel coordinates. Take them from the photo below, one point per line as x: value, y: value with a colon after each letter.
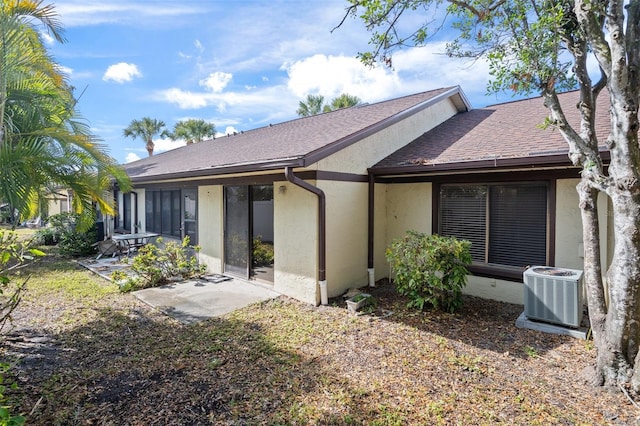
x: 330, y: 192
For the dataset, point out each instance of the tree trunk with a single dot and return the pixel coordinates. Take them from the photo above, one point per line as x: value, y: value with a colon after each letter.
x: 596, y: 299
x: 150, y: 146
x: 617, y: 346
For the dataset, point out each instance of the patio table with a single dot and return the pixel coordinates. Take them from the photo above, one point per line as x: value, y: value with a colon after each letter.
x: 134, y: 241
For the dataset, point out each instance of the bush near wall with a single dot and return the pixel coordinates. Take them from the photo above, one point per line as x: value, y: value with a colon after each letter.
x: 430, y: 269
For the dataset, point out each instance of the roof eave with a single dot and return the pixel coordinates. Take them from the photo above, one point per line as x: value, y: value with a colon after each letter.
x: 493, y: 164
x: 223, y: 170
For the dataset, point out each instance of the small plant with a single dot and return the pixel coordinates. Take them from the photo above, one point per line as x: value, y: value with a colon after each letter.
x: 6, y: 418
x: 530, y: 351
x: 12, y: 255
x: 262, y: 254
x: 359, y: 297
x: 430, y: 269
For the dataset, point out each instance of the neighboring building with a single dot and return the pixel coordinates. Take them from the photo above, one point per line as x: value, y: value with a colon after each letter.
x: 58, y: 201
x: 331, y: 191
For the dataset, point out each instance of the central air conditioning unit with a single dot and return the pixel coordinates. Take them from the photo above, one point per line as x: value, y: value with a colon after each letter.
x: 553, y: 295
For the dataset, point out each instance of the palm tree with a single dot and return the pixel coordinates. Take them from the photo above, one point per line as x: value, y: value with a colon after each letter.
x: 311, y: 106
x: 191, y: 130
x: 146, y: 128
x: 43, y: 144
x: 344, y: 101
x: 314, y: 104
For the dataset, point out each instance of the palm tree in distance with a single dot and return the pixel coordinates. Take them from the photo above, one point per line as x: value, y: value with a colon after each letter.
x: 191, y: 130
x: 310, y: 106
x: 314, y: 104
x: 146, y: 129
x: 344, y: 101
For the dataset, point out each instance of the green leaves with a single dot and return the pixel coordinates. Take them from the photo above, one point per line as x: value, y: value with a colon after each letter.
x: 43, y: 143
x: 430, y: 269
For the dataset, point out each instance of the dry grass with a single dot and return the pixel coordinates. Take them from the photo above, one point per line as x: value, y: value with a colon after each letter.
x: 87, y: 355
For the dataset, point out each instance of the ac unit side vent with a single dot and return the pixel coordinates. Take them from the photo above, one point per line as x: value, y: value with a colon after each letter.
x: 553, y: 295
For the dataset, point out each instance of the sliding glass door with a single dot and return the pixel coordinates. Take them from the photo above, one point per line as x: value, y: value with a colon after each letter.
x: 248, y: 231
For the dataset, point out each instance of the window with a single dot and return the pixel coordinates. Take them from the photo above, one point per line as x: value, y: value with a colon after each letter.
x: 164, y: 212
x: 506, y: 223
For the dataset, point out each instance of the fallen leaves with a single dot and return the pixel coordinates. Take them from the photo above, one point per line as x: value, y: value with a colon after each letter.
x: 285, y: 362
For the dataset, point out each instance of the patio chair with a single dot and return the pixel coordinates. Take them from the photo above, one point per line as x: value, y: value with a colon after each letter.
x: 34, y: 223
x: 110, y: 248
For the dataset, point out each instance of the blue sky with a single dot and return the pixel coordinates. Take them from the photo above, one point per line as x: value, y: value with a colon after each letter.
x: 239, y: 64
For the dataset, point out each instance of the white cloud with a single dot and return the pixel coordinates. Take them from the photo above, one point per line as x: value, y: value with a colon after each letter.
x: 121, y: 72
x: 131, y: 157
x: 330, y: 76
x: 82, y: 13
x: 64, y: 70
x: 46, y: 37
x: 185, y: 99
x: 230, y: 130
x: 162, y: 145
x: 216, y: 81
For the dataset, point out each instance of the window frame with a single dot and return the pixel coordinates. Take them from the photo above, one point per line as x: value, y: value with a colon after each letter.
x: 486, y: 269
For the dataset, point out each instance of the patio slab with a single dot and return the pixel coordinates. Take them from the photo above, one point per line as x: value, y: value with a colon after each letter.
x: 192, y: 300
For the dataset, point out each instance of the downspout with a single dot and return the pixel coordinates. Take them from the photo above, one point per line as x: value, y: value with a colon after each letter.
x: 322, y: 229
x: 370, y: 231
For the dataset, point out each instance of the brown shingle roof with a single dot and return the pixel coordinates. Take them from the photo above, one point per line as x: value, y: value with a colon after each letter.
x: 298, y: 142
x: 509, y: 132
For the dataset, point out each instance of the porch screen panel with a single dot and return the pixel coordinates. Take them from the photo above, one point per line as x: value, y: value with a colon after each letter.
x: 190, y: 197
x: 148, y: 211
x: 166, y: 212
x: 463, y: 214
x: 518, y: 224
x: 176, y: 214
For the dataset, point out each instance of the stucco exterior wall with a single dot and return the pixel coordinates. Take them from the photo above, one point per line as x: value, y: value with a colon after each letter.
x: 210, y: 226
x: 347, y: 204
x: 568, y: 225
x: 401, y: 207
x: 367, y: 152
x: 296, y: 242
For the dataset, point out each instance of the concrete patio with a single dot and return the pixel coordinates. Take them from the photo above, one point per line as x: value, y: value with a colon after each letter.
x: 191, y: 300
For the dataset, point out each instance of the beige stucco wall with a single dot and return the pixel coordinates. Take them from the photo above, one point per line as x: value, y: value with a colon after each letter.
x: 568, y: 225
x: 400, y: 207
x: 296, y: 242
x: 347, y: 216
x: 367, y: 152
x: 210, y: 226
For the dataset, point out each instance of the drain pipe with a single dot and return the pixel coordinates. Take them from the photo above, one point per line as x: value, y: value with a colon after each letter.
x: 322, y: 229
x: 370, y: 231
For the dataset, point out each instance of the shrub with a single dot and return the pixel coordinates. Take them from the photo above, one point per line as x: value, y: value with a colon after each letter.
x: 154, y: 266
x: 76, y: 244
x: 430, y: 269
x: 46, y: 236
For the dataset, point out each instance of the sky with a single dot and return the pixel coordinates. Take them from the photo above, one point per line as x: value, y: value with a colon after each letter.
x: 240, y: 64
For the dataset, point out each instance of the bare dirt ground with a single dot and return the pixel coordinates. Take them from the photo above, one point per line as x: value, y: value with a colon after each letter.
x: 111, y: 360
